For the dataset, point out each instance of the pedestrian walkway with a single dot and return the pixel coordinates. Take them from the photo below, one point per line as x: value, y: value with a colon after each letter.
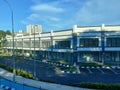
x: 38, y: 84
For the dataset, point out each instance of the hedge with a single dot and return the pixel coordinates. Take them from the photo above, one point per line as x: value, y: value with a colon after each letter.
x: 97, y: 85
x: 19, y: 72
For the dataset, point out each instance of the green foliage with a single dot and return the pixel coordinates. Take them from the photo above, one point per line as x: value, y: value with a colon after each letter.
x: 90, y: 64
x: 1, y: 58
x: 2, y: 34
x: 6, y: 67
x: 58, y: 62
x: 8, y: 32
x: 100, y: 85
x: 63, y: 62
x: 19, y: 72
x: 24, y: 73
x: 72, y: 69
x: 5, y: 54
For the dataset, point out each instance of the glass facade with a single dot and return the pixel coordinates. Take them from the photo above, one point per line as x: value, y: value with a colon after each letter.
x: 27, y: 44
x: 57, y: 55
x: 19, y: 43
x: 113, y: 42
x: 62, y: 44
x: 74, y: 45
x: 8, y: 44
x: 110, y: 56
x: 46, y: 44
x: 89, y: 42
x: 88, y: 56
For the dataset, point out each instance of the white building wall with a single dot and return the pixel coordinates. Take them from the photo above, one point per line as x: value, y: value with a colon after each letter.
x: 81, y: 32
x: 31, y: 28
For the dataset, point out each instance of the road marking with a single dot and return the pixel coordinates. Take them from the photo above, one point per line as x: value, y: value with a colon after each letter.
x: 100, y: 70
x: 89, y: 70
x: 113, y: 71
x: 78, y: 70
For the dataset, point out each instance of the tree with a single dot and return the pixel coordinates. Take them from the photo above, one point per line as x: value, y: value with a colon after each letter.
x: 8, y: 32
x: 2, y: 37
x: 2, y: 34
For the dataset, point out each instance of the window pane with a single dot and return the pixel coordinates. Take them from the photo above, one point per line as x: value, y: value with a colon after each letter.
x: 89, y: 42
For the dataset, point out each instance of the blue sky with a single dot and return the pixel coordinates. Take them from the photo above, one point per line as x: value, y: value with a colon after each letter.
x: 59, y: 14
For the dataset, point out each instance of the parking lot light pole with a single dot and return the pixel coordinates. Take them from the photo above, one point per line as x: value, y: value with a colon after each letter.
x: 34, y: 56
x: 103, y: 44
x: 11, y: 10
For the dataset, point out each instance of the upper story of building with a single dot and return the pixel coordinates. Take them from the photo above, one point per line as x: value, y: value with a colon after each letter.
x: 79, y: 30
x: 79, y: 38
x: 34, y: 29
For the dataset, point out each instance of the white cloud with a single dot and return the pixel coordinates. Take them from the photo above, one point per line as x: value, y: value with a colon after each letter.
x: 33, y: 17
x: 62, y: 14
x: 99, y: 11
x: 44, y: 13
x: 52, y: 18
x: 47, y: 8
x: 25, y: 22
x: 37, y: 18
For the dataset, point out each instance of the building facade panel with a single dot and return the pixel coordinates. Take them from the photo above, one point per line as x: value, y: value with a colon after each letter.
x: 80, y: 44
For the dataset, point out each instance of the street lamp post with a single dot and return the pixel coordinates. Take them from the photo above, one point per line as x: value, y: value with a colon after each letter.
x: 103, y: 44
x: 11, y: 10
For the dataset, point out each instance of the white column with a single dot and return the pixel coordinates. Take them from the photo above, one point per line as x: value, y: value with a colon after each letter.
x: 39, y: 41
x: 105, y: 40
x: 74, y: 28
x: 22, y: 46
x: 99, y: 42
x: 103, y: 27
x: 78, y: 41
x: 30, y: 42
x: 71, y: 44
x: 52, y: 41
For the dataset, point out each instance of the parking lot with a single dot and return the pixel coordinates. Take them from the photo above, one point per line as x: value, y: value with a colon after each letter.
x: 53, y: 72
x: 88, y: 69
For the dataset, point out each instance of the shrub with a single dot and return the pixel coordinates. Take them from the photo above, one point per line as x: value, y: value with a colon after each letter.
x: 63, y: 62
x: 90, y: 64
x: 18, y: 71
x: 100, y: 85
x: 73, y: 69
x: 24, y: 74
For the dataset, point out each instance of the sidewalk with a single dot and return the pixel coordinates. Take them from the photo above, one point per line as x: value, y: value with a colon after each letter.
x: 37, y: 84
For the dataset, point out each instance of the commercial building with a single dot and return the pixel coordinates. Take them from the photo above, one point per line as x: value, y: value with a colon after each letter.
x: 79, y: 44
x: 32, y: 28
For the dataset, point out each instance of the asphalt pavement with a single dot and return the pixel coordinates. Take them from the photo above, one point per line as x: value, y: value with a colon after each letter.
x: 52, y: 73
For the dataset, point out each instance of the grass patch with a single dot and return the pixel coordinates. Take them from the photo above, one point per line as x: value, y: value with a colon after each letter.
x: 5, y: 54
x: 58, y: 62
x: 113, y: 64
x: 90, y: 64
x: 73, y: 69
x: 63, y: 62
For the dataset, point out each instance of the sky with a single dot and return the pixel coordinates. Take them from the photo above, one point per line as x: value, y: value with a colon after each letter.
x: 59, y: 14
